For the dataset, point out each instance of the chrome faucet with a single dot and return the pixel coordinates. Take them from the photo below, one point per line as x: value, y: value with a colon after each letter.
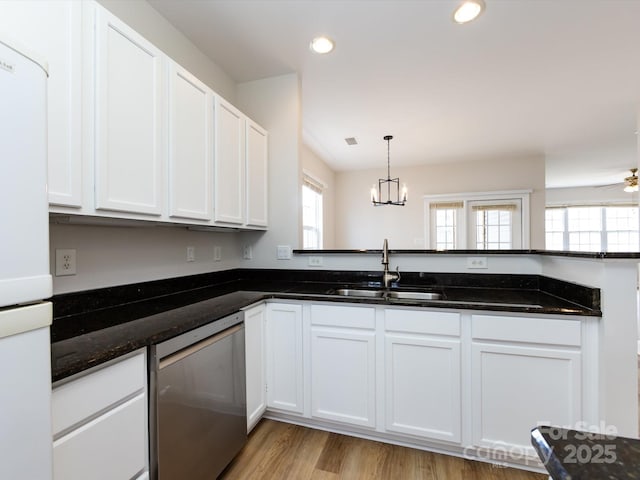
x: 387, y: 276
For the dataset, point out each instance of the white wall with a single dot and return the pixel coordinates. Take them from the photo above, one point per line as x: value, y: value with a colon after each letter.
x: 319, y: 170
x: 275, y: 104
x: 360, y: 225
x: 108, y: 256
x: 143, y: 18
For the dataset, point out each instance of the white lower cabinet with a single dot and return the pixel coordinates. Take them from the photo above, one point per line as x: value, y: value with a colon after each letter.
x: 432, y: 378
x: 423, y: 374
x: 254, y: 334
x: 525, y: 371
x: 285, y: 387
x: 100, y: 423
x: 343, y: 375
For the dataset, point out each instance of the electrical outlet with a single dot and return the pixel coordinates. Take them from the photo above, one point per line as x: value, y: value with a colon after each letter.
x: 247, y: 254
x: 191, y: 254
x: 217, y: 253
x: 65, y: 262
x: 283, y: 252
x: 477, y: 262
x: 315, y: 261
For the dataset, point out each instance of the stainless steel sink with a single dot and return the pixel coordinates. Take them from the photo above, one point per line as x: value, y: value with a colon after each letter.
x: 400, y: 295
x: 414, y: 295
x: 360, y: 292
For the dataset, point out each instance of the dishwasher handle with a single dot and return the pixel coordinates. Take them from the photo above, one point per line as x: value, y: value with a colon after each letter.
x: 196, y: 347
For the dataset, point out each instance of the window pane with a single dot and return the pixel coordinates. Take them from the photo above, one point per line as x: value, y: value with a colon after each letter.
x: 493, y: 229
x: 445, y: 225
x: 622, y: 229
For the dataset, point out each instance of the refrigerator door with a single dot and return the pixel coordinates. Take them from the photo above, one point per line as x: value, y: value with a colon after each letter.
x: 24, y: 217
x: 25, y: 395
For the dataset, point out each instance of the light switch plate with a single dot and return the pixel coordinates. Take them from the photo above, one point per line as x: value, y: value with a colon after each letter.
x: 283, y: 252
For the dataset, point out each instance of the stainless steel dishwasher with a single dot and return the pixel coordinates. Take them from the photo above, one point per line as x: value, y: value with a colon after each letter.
x: 197, y: 406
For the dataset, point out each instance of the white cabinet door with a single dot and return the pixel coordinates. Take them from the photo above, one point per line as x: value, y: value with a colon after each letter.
x: 514, y: 388
x: 229, y: 164
x: 257, y: 175
x: 128, y: 91
x: 254, y: 334
x: 53, y: 30
x: 422, y: 386
x: 343, y: 363
x: 343, y: 375
x: 190, y: 146
x: 285, y: 388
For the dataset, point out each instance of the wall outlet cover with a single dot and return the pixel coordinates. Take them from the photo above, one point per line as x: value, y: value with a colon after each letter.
x: 247, y: 252
x: 217, y: 253
x: 191, y: 254
x: 65, y: 262
x: 477, y: 262
x: 315, y: 261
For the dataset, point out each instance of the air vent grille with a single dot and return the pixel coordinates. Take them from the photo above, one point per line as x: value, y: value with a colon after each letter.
x: 351, y: 141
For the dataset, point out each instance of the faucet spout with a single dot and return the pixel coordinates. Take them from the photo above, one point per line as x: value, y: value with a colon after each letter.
x: 387, y: 276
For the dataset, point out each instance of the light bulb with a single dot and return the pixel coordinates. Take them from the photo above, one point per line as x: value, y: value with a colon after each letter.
x: 321, y: 45
x: 468, y: 10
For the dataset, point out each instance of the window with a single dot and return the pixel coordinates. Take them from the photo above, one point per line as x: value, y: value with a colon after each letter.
x: 593, y: 228
x: 483, y: 221
x: 445, y: 220
x: 311, y: 214
x: 496, y: 225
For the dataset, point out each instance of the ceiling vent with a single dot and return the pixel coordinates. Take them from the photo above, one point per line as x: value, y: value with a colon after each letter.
x: 351, y: 141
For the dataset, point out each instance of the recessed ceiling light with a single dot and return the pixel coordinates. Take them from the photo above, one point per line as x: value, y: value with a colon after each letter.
x: 468, y: 10
x: 321, y: 45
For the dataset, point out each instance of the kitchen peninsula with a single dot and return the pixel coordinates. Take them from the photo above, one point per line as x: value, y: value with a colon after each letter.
x: 482, y: 320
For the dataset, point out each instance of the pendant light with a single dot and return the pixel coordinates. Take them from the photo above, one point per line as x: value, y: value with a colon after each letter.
x: 390, y: 186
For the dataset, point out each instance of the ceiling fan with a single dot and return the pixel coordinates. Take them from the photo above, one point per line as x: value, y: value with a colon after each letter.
x: 631, y: 182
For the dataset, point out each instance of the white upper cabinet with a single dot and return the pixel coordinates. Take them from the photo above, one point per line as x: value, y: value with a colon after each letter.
x: 257, y: 175
x: 229, y: 164
x: 128, y: 90
x: 190, y: 146
x: 53, y: 31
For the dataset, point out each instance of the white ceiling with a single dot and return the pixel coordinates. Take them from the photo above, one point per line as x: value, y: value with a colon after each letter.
x: 560, y: 78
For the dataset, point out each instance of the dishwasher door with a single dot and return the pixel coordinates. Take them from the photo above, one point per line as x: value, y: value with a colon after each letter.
x: 201, y: 407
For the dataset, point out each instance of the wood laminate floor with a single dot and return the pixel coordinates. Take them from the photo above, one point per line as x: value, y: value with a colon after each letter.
x: 280, y: 451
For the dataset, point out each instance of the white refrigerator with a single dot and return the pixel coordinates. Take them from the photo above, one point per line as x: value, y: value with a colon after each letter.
x: 25, y: 280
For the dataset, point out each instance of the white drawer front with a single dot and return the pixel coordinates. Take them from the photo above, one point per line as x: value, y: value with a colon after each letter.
x: 530, y: 330
x: 426, y: 322
x: 110, y: 447
x: 80, y: 399
x: 343, y: 316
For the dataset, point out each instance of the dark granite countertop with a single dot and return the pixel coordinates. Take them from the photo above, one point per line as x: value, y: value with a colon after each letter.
x: 95, y: 326
x: 554, y: 253
x: 578, y: 455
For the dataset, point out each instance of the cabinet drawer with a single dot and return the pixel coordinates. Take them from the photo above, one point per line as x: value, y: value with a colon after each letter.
x: 343, y: 316
x: 110, y: 447
x: 527, y: 329
x: 79, y: 399
x: 427, y: 322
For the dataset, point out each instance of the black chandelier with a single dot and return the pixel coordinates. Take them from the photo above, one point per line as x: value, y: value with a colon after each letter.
x: 388, y: 185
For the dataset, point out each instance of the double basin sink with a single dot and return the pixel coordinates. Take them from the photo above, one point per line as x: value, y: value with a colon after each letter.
x: 391, y: 294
